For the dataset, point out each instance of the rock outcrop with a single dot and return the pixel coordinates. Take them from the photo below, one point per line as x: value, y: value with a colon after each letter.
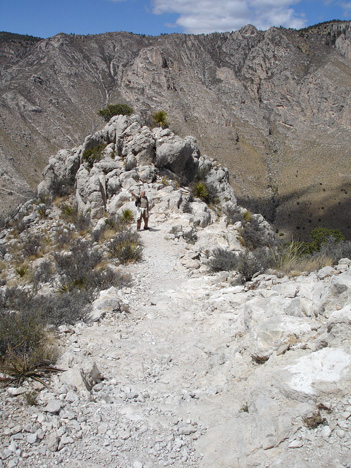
x: 133, y: 157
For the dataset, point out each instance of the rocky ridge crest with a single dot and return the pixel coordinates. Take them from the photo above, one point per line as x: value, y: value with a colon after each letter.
x: 272, y: 106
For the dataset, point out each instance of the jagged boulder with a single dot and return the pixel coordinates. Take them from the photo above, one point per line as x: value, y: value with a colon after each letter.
x: 62, y: 169
x: 178, y: 155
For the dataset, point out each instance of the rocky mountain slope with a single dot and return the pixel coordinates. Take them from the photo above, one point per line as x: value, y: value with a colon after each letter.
x: 273, y: 106
x: 183, y: 367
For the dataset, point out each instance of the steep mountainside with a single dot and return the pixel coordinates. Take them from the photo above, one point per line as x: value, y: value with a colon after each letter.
x: 274, y: 106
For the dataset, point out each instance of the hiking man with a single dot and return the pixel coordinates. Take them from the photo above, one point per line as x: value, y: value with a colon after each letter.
x: 142, y: 204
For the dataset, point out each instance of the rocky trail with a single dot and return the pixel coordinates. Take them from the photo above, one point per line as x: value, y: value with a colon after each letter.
x: 175, y: 385
x: 185, y: 367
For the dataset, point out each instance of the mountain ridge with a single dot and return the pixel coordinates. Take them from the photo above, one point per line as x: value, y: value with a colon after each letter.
x: 265, y: 103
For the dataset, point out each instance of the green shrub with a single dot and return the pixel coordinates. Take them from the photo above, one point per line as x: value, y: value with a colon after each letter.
x: 321, y: 235
x: 115, y: 109
x: 93, y: 155
x: 159, y: 119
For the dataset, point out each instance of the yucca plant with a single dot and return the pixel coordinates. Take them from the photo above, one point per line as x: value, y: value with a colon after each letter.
x: 159, y: 119
x: 127, y: 216
x: 200, y: 190
x: 18, y: 368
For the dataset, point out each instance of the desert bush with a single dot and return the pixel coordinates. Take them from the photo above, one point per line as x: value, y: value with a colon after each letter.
x: 15, y: 299
x: 223, y: 260
x: 335, y: 249
x: 202, y: 173
x: 25, y: 349
x: 93, y: 155
x: 63, y: 236
x: 63, y: 307
x: 233, y: 214
x: 108, y: 230
x: 20, y: 331
x: 190, y: 236
x: 31, y: 245
x: 252, y: 234
x: 257, y: 261
x: 103, y: 278
x: 98, y: 232
x: 75, y: 266
x: 42, y: 273
x: 159, y: 119
x: 61, y: 187
x: 126, y: 246
x: 246, y: 263
x: 71, y: 215
x: 115, y: 109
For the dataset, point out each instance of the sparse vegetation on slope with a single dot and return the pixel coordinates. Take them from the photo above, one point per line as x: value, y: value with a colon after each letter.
x: 115, y: 109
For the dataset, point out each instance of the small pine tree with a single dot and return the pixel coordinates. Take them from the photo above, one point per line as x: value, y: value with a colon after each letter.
x: 115, y: 109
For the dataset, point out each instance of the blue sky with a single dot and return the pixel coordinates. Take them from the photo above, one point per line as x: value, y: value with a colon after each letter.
x: 45, y: 18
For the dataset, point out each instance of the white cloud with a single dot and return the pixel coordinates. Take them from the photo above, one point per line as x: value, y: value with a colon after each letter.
x: 346, y: 6
x: 204, y: 16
